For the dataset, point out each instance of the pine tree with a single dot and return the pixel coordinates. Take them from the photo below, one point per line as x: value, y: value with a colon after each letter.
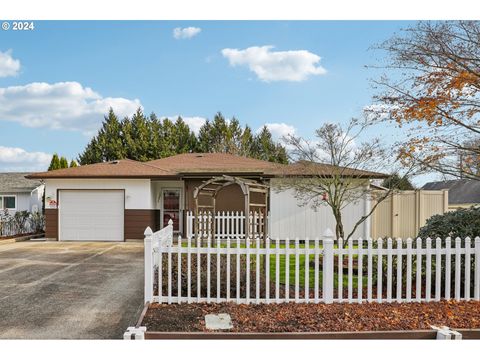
x: 246, y: 142
x: 144, y: 138
x: 54, y: 163
x: 73, y: 164
x: 264, y: 148
x: 184, y: 137
x: 107, y: 145
x: 63, y: 162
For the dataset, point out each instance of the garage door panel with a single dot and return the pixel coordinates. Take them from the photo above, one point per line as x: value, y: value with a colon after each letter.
x: 87, y: 215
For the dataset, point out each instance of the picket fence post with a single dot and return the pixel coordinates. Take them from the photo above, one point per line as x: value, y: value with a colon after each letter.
x: 328, y: 266
x: 148, y: 256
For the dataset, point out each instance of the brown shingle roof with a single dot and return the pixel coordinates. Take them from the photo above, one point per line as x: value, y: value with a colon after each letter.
x: 196, y: 164
x: 113, y: 169
x: 306, y: 168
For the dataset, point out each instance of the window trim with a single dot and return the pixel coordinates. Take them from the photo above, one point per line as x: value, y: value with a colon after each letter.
x: 3, y: 196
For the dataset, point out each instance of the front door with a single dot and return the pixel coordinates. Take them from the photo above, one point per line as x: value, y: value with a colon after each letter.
x: 171, y: 200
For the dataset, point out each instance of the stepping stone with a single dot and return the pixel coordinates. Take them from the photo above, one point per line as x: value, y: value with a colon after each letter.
x: 218, y: 322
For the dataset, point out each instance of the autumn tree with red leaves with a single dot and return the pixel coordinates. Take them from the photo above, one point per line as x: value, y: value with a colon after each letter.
x: 431, y: 89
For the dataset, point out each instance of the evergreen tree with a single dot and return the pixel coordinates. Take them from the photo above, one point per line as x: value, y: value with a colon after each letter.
x: 63, y: 162
x: 168, y: 142
x: 54, y: 163
x: 73, y: 163
x: 140, y: 137
x: 107, y: 145
x: 204, y: 141
x: 246, y: 142
x: 185, y: 138
x: 264, y: 148
x: 147, y: 138
x: 398, y: 182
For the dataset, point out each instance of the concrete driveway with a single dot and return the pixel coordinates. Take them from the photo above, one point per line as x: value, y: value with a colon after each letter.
x: 69, y: 290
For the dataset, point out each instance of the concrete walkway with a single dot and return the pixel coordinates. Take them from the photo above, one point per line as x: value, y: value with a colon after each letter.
x: 69, y: 290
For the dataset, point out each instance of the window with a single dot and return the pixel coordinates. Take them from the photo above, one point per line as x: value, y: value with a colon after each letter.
x: 8, y: 202
x: 171, y: 207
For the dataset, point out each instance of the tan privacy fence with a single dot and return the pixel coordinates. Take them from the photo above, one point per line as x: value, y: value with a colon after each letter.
x: 404, y: 213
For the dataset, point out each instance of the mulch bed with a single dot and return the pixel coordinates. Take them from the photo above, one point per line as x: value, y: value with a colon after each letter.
x: 293, y: 317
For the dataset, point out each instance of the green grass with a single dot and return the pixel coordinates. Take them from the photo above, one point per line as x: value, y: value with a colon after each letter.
x: 301, y: 275
x: 311, y: 273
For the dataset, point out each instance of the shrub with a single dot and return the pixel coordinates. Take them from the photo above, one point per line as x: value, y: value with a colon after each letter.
x: 22, y: 222
x: 460, y: 223
x: 37, y: 220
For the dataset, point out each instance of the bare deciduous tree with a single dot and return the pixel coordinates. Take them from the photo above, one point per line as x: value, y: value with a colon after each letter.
x: 338, y: 170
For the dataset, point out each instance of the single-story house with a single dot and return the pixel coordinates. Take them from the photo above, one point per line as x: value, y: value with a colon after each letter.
x: 18, y: 193
x: 117, y: 200
x: 462, y: 193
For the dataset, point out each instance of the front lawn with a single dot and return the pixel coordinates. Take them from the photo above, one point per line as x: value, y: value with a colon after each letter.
x: 311, y: 272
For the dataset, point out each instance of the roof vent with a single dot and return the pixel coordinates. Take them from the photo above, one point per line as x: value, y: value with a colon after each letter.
x: 199, y: 155
x: 115, y: 162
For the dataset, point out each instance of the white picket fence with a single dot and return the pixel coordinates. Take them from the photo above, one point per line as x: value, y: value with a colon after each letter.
x: 188, y: 270
x: 227, y: 224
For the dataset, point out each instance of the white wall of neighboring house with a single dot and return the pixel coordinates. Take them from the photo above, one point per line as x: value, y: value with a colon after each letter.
x: 36, y: 199
x: 289, y: 219
x: 137, y: 191
x: 26, y: 201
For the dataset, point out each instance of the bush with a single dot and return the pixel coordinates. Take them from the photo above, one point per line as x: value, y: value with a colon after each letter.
x: 22, y: 222
x: 460, y: 223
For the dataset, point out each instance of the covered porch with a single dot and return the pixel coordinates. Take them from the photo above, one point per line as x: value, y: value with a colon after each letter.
x: 214, y: 205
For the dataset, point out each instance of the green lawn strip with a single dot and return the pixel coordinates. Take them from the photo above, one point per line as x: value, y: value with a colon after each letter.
x: 311, y: 273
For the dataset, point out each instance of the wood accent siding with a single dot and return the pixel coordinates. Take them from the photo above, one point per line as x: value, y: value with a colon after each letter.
x: 51, y: 224
x: 137, y: 220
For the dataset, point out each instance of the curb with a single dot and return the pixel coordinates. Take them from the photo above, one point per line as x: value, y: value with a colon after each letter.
x: 20, y: 238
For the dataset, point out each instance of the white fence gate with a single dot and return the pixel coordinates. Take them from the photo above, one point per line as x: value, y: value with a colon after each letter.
x: 187, y: 270
x: 227, y: 224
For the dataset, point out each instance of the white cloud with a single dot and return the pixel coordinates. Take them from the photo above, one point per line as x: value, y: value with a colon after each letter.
x: 17, y: 159
x: 279, y: 130
x: 186, y: 33
x: 63, y: 105
x: 268, y: 65
x: 8, y: 65
x: 195, y: 123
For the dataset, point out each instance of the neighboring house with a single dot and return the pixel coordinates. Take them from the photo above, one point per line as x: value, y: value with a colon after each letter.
x: 20, y: 194
x: 462, y: 193
x: 117, y: 200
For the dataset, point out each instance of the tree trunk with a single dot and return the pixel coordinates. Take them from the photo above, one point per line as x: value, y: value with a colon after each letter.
x: 339, y: 231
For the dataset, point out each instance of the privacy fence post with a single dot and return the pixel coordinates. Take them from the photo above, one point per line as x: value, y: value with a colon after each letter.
x: 148, y: 261
x: 328, y: 266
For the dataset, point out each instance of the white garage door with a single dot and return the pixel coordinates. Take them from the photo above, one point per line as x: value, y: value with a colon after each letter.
x: 91, y: 215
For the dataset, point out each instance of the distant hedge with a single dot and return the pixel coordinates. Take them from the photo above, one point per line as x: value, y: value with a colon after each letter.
x: 460, y: 223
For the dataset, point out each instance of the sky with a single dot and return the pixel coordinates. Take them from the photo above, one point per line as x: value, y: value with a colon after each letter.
x: 58, y: 80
